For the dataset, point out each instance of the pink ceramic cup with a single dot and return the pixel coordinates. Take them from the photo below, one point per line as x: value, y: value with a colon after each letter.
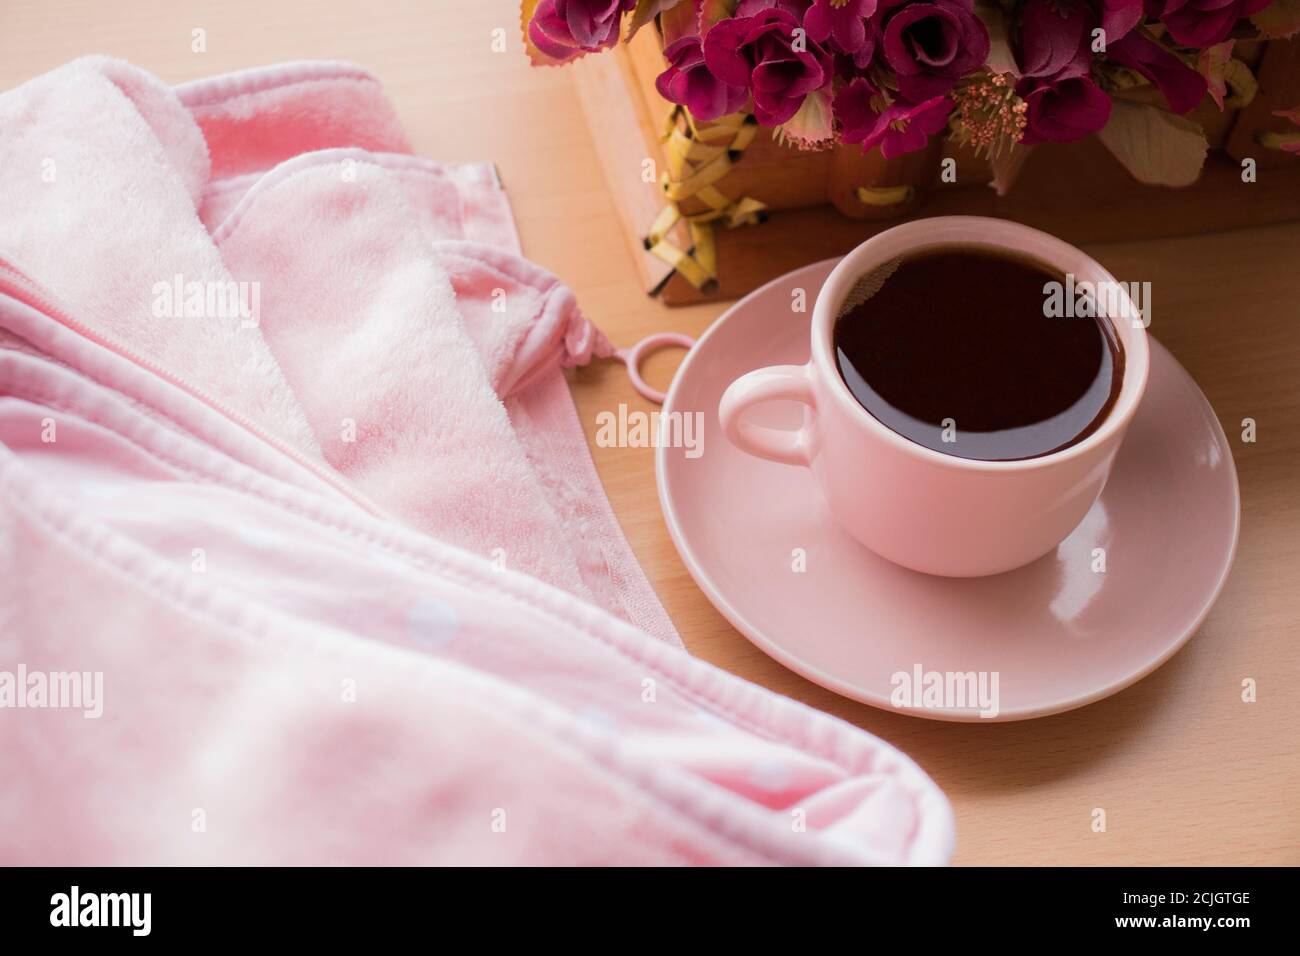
x: 915, y: 506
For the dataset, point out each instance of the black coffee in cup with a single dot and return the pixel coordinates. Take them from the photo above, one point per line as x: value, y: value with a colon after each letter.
x: 955, y: 350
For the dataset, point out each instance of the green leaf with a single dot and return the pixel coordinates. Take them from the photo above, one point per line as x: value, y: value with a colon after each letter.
x: 647, y: 10
x: 711, y: 11
x: 678, y: 21
x: 1281, y: 18
x: 1212, y: 63
x: 1156, y: 146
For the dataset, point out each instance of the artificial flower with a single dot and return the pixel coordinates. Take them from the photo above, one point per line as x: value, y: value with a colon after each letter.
x: 1212, y: 63
x: 566, y: 29
x: 1054, y: 37
x: 1063, y: 108
x: 897, y: 127
x: 748, y: 8
x: 688, y: 82
x: 857, y: 63
x: 1182, y: 86
x: 844, y: 22
x: 1118, y: 17
x: 1199, y: 23
x: 760, y: 53
x: 990, y: 115
x: 891, y: 73
x: 933, y: 44
x: 813, y: 126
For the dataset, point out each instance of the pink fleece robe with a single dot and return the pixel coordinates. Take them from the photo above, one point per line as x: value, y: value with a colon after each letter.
x: 343, y: 566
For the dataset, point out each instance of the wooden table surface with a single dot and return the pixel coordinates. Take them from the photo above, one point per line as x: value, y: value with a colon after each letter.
x: 1186, y: 772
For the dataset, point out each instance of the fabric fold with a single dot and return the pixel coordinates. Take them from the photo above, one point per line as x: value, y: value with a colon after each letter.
x: 337, y: 550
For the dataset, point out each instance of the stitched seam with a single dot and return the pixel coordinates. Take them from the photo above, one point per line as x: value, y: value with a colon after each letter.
x: 340, y: 654
x: 468, y: 581
x: 37, y: 394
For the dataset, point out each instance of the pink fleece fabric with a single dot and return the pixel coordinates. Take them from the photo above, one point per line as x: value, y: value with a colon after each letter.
x: 344, y: 564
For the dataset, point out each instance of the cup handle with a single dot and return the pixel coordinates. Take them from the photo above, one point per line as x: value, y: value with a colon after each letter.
x: 792, y: 382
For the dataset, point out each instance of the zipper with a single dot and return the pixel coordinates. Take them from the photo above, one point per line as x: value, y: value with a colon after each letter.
x: 14, y: 283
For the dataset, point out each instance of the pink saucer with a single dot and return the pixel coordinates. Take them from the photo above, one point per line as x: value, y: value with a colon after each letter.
x: 1057, y: 633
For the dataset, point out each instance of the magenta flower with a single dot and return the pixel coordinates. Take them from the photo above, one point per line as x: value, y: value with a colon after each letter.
x: 758, y: 53
x: 1201, y: 23
x: 1181, y: 85
x: 566, y: 29
x: 1118, y: 17
x: 850, y: 65
x: 688, y: 82
x: 1062, y: 109
x: 1054, y: 38
x: 867, y: 52
x: 747, y: 8
x: 933, y: 44
x: 897, y: 128
x: 843, y: 21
